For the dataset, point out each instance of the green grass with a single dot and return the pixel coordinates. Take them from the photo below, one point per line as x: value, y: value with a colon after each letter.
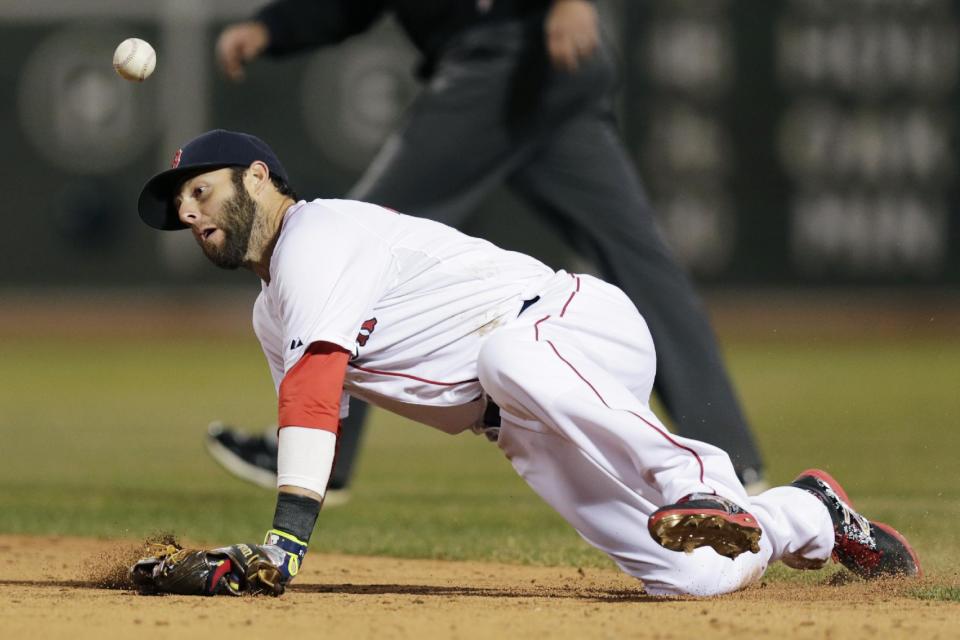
x: 882, y: 416
x: 946, y: 594
x: 103, y: 438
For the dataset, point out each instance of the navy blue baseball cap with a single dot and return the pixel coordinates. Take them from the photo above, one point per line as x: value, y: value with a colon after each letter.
x: 207, y: 152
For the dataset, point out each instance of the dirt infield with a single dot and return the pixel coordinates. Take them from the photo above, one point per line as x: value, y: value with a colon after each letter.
x: 48, y: 589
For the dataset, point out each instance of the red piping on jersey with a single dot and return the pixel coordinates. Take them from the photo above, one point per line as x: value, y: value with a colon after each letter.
x: 597, y: 393
x: 407, y: 375
x: 570, y: 299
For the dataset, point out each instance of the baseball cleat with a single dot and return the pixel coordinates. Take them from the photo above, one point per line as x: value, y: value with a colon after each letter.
x: 868, y: 549
x: 705, y: 520
x: 250, y: 457
x: 254, y: 458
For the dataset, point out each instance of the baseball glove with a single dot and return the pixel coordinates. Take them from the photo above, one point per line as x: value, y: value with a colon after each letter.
x: 239, y: 569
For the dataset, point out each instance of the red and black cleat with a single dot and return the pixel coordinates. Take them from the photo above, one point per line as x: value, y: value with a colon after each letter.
x: 705, y: 520
x: 868, y: 549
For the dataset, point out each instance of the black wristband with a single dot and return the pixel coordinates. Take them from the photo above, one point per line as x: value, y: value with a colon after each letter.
x: 296, y: 515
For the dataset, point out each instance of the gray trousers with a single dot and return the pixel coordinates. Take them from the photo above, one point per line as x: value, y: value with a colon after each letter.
x: 495, y: 112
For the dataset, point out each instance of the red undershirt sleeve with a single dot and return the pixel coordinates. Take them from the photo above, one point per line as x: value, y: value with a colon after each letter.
x: 311, y: 390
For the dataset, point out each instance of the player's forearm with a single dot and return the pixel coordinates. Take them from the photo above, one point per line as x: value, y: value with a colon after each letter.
x: 299, y: 491
x: 308, y: 415
x: 305, y: 460
x: 296, y: 25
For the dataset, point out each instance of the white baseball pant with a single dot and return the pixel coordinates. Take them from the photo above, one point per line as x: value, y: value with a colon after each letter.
x: 573, y: 376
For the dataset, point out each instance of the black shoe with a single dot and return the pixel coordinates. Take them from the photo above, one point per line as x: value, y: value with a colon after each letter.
x: 705, y: 520
x: 250, y: 457
x: 254, y: 458
x: 868, y: 549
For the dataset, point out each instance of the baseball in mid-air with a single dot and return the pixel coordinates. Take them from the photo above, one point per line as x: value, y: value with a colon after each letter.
x: 134, y: 59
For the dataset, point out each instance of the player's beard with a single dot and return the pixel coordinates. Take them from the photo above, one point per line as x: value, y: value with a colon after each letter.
x: 239, y: 214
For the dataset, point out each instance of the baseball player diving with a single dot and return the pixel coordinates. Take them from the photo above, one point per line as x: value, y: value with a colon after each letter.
x: 449, y: 330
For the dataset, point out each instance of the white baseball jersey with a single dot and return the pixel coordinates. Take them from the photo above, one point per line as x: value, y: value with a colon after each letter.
x: 410, y: 299
x: 428, y: 313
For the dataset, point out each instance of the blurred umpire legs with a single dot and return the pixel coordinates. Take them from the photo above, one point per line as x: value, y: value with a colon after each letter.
x: 496, y: 113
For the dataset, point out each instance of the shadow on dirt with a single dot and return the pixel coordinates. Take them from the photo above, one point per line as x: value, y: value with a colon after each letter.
x: 615, y: 596
x: 620, y: 595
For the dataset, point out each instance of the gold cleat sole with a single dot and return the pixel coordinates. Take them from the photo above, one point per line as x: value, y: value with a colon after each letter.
x: 688, y: 531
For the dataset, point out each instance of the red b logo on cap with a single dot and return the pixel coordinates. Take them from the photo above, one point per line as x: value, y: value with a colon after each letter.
x: 176, y: 159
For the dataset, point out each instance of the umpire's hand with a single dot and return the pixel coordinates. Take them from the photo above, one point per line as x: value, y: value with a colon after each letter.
x: 572, y: 32
x: 239, y: 44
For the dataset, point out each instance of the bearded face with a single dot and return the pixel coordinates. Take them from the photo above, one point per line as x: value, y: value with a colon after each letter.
x: 238, y: 215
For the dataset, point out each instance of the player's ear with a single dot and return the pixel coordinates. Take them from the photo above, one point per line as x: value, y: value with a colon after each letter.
x: 259, y: 175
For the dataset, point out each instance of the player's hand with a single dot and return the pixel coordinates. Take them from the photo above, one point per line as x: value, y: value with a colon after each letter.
x: 240, y: 44
x: 572, y: 33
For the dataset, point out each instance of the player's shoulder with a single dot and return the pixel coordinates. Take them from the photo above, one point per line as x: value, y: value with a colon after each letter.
x: 333, y: 211
x: 323, y: 230
x: 327, y: 220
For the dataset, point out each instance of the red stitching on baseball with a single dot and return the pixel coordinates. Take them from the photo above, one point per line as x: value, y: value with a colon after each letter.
x: 130, y: 55
x: 146, y: 63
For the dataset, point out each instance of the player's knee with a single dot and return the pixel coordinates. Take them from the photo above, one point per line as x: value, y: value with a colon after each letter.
x: 701, y: 573
x: 710, y: 578
x: 680, y: 586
